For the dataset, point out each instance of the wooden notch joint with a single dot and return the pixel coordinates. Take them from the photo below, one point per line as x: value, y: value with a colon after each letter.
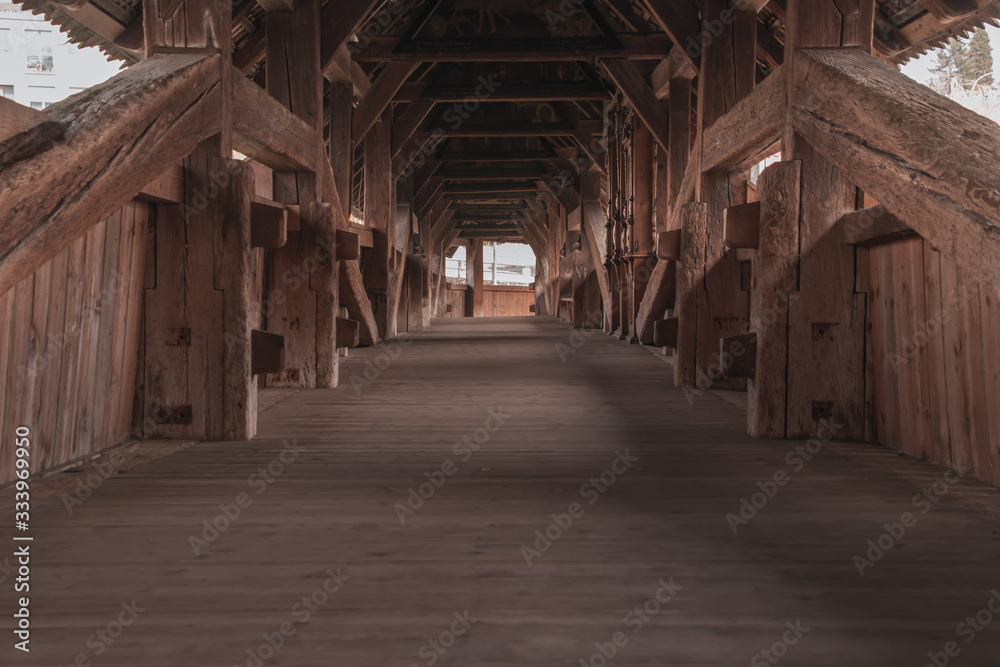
x: 742, y: 226
x: 668, y: 245
x: 665, y: 332
x: 268, y: 224
x: 348, y: 332
x: 267, y: 352
x: 348, y: 245
x: 738, y: 356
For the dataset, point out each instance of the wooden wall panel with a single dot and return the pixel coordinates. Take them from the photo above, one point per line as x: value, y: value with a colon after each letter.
x: 455, y: 298
x: 937, y: 363
x: 508, y: 301
x: 69, y: 344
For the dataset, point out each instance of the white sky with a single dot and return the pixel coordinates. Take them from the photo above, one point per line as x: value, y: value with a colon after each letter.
x: 920, y: 68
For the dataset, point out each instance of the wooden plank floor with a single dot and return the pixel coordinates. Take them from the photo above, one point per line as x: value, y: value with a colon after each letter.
x: 664, y: 518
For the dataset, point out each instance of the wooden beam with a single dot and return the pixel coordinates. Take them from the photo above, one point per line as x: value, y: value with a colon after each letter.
x: 364, y: 234
x: 341, y: 144
x: 671, y: 68
x: 338, y: 22
x: 679, y: 19
x: 748, y: 128
x: 680, y: 138
x: 636, y: 47
x: 874, y: 226
x: 641, y: 97
x: 690, y: 291
x: 268, y: 132
x: 379, y: 98
x: 119, y: 136
x: 541, y: 91
x: 277, y: 5
x: 773, y: 278
x: 354, y: 297
x: 920, y: 170
x: 494, y: 187
x: 404, y: 127
x: 455, y: 173
x: 595, y: 150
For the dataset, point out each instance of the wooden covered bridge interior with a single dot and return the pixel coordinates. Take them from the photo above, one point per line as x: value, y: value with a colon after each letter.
x: 226, y: 325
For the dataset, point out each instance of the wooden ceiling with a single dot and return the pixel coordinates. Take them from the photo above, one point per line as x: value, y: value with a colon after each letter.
x: 429, y: 58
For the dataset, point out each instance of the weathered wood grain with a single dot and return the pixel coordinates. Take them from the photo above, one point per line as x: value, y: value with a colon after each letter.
x: 915, y: 156
x: 96, y: 152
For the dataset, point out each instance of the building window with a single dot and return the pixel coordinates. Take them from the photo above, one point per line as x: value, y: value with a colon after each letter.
x: 37, y: 105
x: 6, y: 41
x: 7, y: 91
x: 39, y: 50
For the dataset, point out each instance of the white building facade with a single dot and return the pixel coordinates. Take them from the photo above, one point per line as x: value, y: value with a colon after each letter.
x: 38, y: 65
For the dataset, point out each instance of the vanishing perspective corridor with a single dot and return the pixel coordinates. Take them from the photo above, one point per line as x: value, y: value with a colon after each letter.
x: 511, y: 493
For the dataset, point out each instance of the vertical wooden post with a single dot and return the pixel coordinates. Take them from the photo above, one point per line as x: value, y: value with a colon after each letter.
x: 690, y: 291
x: 198, y: 313
x: 642, y: 227
x: 401, y: 206
x: 341, y: 145
x: 324, y: 281
x: 775, y: 276
x: 724, y: 310
x: 680, y: 138
x: 380, y: 216
x: 476, y: 248
x: 295, y: 80
x: 827, y: 317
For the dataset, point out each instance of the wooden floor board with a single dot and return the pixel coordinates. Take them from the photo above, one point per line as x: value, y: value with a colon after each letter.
x: 366, y: 443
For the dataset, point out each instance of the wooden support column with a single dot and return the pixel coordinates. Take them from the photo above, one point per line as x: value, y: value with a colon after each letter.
x: 775, y: 276
x: 380, y: 216
x: 680, y: 137
x: 341, y: 145
x: 690, y: 292
x: 827, y: 317
x: 297, y: 270
x: 476, y: 275
x: 593, y: 224
x: 726, y: 74
x: 200, y: 310
x: 642, y: 228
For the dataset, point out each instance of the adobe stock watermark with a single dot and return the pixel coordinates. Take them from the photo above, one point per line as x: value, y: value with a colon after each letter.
x: 229, y: 513
x: 705, y: 379
x: 102, y: 639
x: 924, y: 502
x: 55, y: 342
x: 929, y: 329
x: 385, y: 354
x: 636, y: 620
x: 779, y: 649
x: 454, y: 115
x: 579, y: 337
x: 376, y: 25
x: 432, y: 650
x: 103, y: 469
x: 464, y: 449
x: 591, y: 491
x: 301, y: 613
x: 968, y: 630
x: 797, y: 458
